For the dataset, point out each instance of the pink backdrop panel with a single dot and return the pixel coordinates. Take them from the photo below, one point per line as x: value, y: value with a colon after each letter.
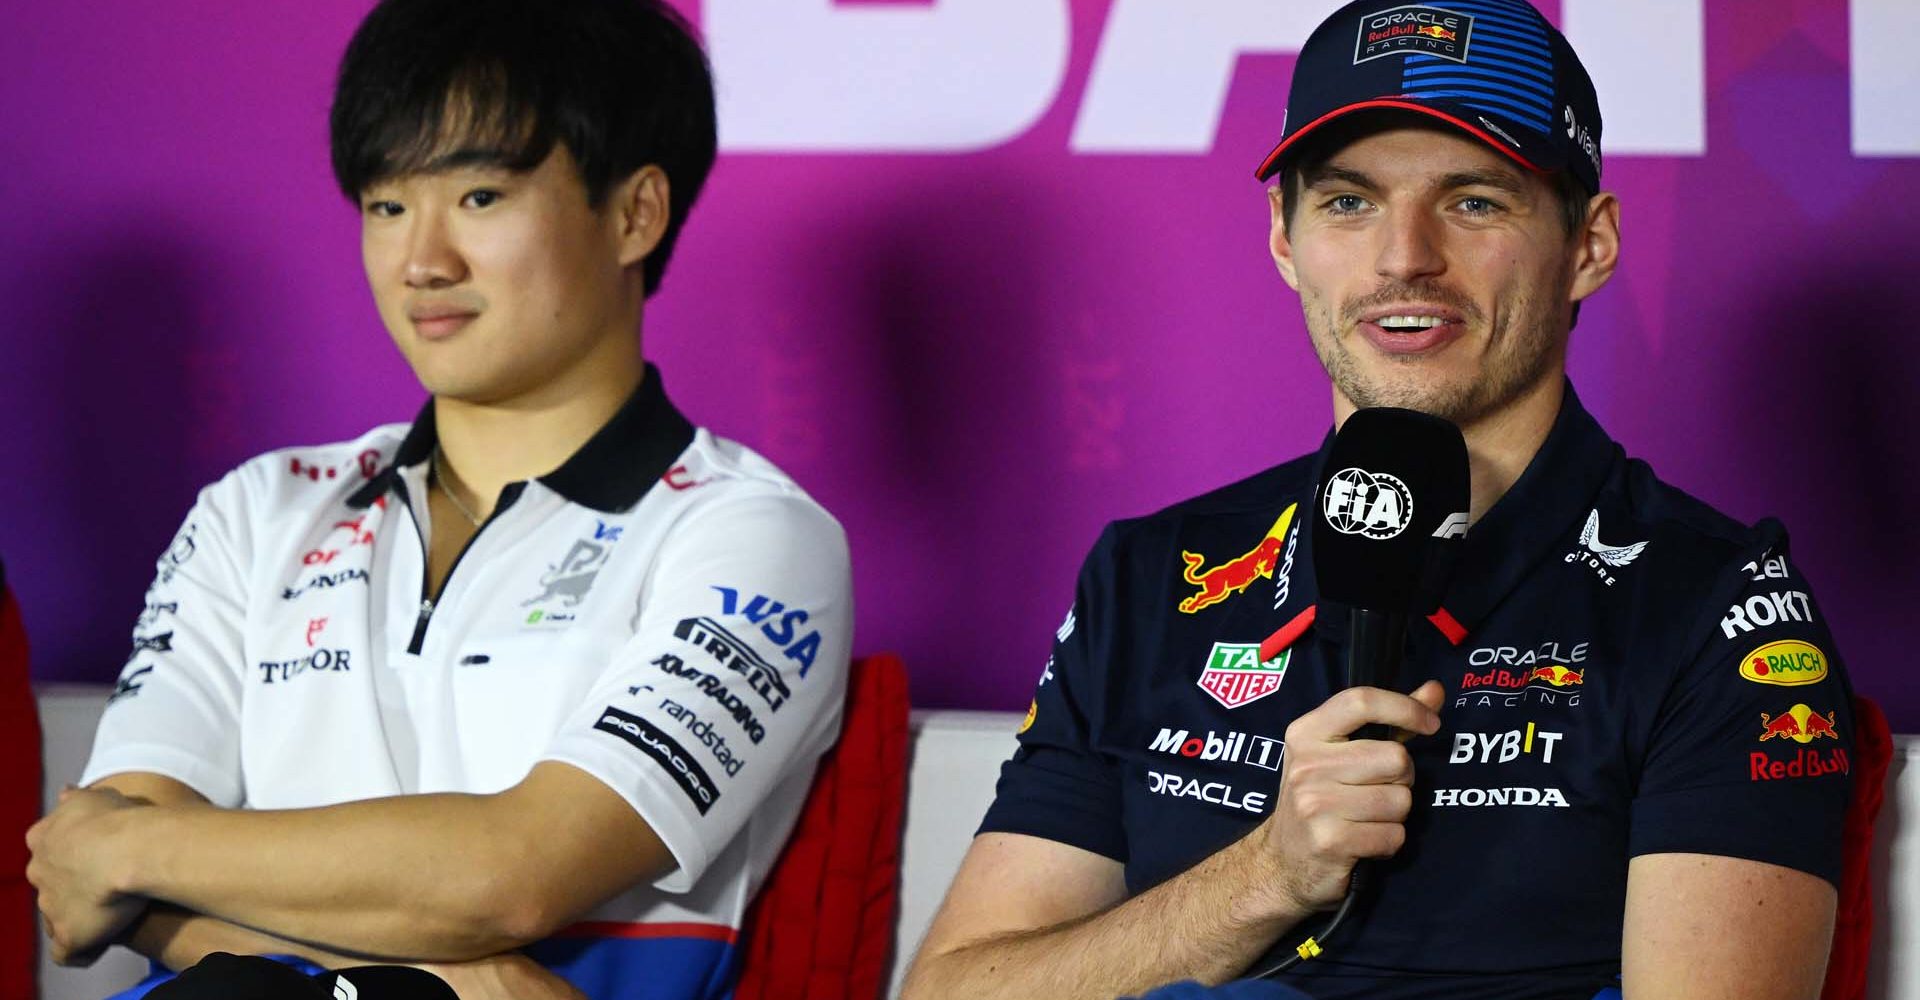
x: 973, y: 355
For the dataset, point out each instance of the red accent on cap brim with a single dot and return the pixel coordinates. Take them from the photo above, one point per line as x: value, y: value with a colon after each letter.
x: 1272, y: 162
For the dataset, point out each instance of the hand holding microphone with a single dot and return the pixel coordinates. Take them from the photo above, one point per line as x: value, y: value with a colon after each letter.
x: 1343, y: 799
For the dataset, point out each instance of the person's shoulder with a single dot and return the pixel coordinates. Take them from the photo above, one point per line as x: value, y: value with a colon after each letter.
x: 1257, y: 496
x: 1228, y: 518
x: 1680, y: 531
x: 302, y: 477
x: 722, y: 477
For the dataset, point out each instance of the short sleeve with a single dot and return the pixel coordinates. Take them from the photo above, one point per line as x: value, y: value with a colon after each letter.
x: 732, y: 683
x: 1056, y: 785
x: 175, y: 709
x: 1751, y: 753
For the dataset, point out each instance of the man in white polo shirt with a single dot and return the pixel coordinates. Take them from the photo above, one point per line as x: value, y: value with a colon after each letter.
x: 529, y: 692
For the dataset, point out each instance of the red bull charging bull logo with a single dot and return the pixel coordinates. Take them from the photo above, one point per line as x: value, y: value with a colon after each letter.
x: 1435, y: 31
x: 1236, y: 574
x: 1558, y: 676
x: 1800, y: 724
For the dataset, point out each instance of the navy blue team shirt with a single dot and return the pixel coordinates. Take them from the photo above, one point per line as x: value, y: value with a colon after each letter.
x: 1627, y: 672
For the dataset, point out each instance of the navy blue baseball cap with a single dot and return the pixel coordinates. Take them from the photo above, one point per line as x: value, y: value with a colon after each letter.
x: 1494, y: 69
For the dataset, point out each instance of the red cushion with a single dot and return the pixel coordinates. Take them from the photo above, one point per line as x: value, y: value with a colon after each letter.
x: 1853, y: 921
x: 822, y: 926
x: 19, y: 803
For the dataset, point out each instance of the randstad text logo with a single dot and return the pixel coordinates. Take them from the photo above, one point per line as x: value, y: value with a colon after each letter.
x: 1788, y: 663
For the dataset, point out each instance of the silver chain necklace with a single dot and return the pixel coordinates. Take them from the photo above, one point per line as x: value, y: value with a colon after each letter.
x: 440, y: 478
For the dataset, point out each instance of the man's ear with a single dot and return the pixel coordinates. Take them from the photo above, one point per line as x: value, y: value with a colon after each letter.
x: 1597, y: 252
x: 641, y: 213
x: 1277, y: 241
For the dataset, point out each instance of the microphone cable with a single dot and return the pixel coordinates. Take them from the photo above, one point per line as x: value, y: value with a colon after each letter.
x: 1311, y: 947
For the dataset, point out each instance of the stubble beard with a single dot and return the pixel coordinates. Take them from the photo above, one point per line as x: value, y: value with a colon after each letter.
x: 1505, y: 376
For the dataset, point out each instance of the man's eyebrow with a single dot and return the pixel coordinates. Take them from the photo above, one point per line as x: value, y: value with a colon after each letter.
x: 1330, y: 174
x: 1499, y: 180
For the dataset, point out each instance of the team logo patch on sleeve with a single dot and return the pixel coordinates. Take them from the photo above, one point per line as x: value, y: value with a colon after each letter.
x: 1787, y: 663
x: 1799, y: 724
x: 1234, y: 675
x: 687, y: 772
x: 1236, y: 574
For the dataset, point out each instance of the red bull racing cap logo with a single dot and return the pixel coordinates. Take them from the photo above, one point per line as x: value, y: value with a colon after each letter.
x: 1235, y: 676
x: 1237, y: 574
x: 1415, y: 29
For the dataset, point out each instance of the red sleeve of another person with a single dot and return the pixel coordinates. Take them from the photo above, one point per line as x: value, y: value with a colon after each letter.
x: 19, y: 801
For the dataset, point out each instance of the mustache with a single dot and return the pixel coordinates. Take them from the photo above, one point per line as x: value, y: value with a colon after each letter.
x: 1429, y: 293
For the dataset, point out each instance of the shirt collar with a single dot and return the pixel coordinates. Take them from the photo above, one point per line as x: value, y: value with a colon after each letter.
x: 610, y: 473
x: 1535, y: 516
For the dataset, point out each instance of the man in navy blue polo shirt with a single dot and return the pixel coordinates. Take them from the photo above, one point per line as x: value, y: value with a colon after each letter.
x: 1629, y: 741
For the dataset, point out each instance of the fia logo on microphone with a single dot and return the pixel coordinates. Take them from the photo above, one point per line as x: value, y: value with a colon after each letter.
x: 1374, y: 504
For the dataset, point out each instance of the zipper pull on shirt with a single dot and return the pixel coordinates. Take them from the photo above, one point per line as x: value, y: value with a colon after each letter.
x: 420, y: 626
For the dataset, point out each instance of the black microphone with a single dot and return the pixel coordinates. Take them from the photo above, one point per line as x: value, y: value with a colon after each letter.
x: 1392, y: 508
x: 1392, y: 505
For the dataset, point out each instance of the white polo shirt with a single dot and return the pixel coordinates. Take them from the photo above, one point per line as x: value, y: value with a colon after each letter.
x: 666, y: 611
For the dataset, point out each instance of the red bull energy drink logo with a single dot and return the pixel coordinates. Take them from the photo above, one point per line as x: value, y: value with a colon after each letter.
x: 1235, y: 676
x: 1435, y: 31
x: 1554, y: 674
x: 1800, y: 724
x: 1558, y: 676
x: 1787, y: 663
x: 1805, y: 764
x: 1236, y: 574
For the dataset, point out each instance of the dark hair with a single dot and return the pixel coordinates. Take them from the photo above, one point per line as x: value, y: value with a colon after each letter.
x: 429, y: 84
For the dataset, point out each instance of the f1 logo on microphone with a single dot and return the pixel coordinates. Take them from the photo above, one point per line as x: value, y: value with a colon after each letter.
x: 1374, y: 504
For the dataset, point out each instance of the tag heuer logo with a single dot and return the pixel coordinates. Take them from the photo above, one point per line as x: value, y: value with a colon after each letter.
x: 1234, y: 675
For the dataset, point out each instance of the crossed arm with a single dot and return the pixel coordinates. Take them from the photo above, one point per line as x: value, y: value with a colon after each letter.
x: 440, y: 878
x: 1031, y: 917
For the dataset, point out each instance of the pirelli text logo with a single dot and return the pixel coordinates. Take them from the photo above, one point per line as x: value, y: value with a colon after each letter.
x: 727, y: 649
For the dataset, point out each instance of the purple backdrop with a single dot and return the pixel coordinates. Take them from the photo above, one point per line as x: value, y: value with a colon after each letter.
x: 973, y: 356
